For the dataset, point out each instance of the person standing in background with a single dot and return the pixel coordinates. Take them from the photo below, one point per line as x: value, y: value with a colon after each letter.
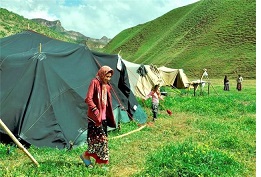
x: 239, y: 82
x: 226, y: 83
x: 100, y: 115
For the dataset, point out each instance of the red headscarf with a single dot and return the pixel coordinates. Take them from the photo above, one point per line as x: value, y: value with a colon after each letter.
x: 100, y: 76
x: 103, y: 71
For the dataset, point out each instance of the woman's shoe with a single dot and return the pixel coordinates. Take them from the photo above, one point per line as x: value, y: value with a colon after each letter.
x: 105, y: 168
x: 87, y: 162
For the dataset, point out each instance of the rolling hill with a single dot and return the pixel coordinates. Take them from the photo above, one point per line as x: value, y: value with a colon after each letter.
x: 213, y: 34
x: 12, y: 23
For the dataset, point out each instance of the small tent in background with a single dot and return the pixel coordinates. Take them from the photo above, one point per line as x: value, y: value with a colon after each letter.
x: 43, y: 86
x: 144, y: 77
x: 174, y: 77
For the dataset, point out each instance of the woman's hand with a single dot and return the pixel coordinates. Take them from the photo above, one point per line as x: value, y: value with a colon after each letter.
x: 96, y: 112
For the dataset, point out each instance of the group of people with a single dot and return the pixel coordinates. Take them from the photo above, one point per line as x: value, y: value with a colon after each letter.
x: 100, y: 114
x: 239, y: 83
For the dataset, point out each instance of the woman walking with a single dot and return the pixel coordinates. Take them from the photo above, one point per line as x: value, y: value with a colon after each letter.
x: 100, y: 115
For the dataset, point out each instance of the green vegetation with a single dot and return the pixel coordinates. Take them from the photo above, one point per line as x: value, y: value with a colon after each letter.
x: 191, y: 159
x: 11, y: 23
x: 213, y: 34
x: 207, y: 135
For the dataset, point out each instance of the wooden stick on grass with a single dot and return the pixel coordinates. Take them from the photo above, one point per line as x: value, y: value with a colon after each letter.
x: 17, y: 142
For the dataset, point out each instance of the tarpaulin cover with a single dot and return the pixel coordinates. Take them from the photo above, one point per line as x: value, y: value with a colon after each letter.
x: 43, y: 85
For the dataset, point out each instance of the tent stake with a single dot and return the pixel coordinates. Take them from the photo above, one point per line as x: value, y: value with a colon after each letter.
x: 17, y: 142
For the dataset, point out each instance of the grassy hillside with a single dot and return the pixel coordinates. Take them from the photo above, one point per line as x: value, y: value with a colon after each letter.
x: 11, y: 23
x: 213, y: 34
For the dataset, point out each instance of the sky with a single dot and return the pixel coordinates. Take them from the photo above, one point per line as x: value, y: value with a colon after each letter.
x: 94, y: 18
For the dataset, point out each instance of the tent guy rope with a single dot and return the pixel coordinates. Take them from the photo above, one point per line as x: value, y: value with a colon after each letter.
x: 133, y: 131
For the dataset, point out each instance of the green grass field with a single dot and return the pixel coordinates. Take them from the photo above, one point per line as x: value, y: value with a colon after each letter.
x: 207, y: 135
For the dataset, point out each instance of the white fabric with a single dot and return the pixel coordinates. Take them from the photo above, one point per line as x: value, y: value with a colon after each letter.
x: 141, y: 86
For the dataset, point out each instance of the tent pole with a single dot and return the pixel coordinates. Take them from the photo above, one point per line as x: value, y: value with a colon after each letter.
x: 17, y: 142
x: 40, y: 48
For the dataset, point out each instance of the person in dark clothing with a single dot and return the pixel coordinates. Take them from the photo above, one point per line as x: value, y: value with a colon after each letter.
x: 226, y: 83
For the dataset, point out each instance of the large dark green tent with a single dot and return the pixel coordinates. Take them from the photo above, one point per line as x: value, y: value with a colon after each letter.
x: 43, y: 85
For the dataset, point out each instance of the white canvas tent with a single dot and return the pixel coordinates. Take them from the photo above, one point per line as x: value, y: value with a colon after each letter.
x: 174, y: 77
x: 141, y: 84
x: 144, y: 77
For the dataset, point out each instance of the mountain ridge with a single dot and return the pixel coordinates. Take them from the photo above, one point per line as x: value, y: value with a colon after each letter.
x: 12, y: 23
x: 56, y: 25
